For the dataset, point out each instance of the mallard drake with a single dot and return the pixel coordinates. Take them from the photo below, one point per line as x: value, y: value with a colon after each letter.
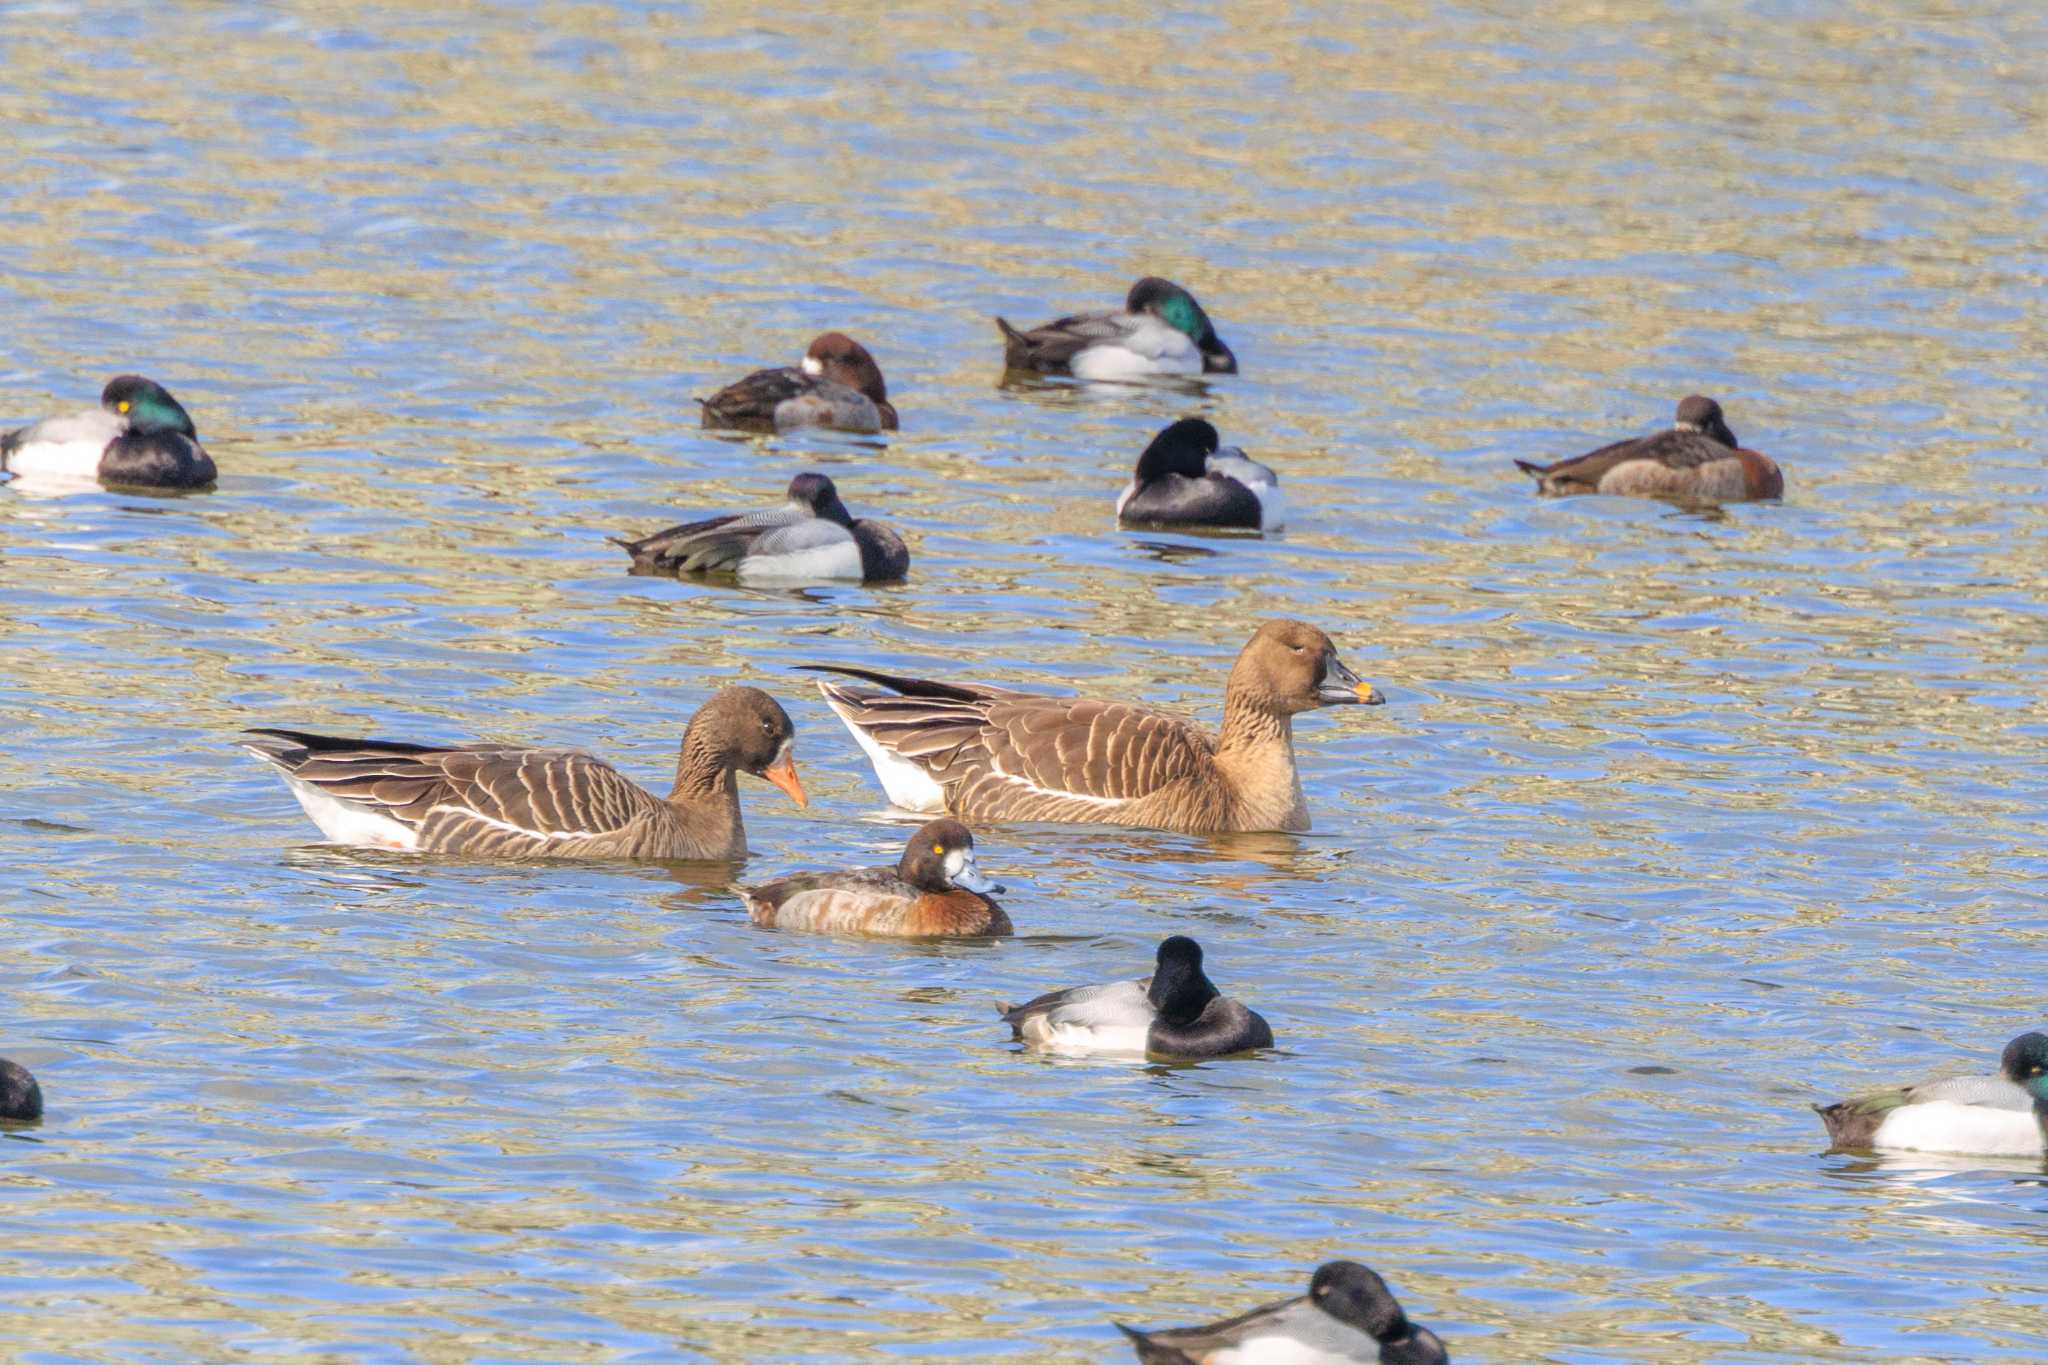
x: 810, y: 536
x: 1176, y: 1012
x: 21, y: 1098
x: 837, y: 385
x: 1697, y: 460
x: 1184, y: 479
x: 989, y: 753
x: 1161, y: 330
x: 138, y: 437
x: 2002, y: 1115
x: 935, y: 890
x: 1347, y: 1315
x: 492, y: 800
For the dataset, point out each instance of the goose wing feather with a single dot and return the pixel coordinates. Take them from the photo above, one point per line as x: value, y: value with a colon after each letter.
x: 546, y: 794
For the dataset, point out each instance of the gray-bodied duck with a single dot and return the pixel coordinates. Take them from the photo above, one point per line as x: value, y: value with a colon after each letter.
x: 1161, y: 330
x: 1348, y: 1315
x: 1177, y: 1012
x: 138, y: 437
x: 809, y: 536
x: 2001, y: 1115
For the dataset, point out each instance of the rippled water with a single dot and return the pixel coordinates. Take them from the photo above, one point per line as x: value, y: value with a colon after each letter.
x: 1674, y: 823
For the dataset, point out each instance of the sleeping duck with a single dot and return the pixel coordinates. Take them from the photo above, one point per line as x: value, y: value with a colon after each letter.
x: 1698, y: 460
x: 21, y: 1098
x: 810, y: 536
x: 1183, y: 479
x: 138, y: 437
x: 1176, y: 1012
x: 2001, y: 1115
x: 935, y: 890
x: 1161, y: 331
x: 991, y: 753
x: 837, y: 385
x: 1347, y: 1315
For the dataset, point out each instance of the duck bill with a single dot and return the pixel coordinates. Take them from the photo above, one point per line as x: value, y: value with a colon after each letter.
x: 1342, y: 687
x: 1218, y: 358
x: 782, y: 772
x: 970, y: 877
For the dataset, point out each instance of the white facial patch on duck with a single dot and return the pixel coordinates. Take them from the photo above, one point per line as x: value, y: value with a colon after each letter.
x: 812, y: 366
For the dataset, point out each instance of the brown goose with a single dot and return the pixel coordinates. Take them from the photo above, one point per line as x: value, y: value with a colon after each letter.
x: 495, y: 801
x: 989, y: 753
x: 1697, y: 460
x: 935, y: 890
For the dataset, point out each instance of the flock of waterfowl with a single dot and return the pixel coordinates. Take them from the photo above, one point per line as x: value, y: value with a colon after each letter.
x: 980, y: 753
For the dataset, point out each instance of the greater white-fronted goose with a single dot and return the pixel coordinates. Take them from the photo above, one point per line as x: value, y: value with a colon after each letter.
x: 1697, y: 460
x: 809, y: 537
x: 1161, y: 331
x: 138, y: 437
x: 2002, y: 1115
x: 495, y: 801
x: 1176, y: 1012
x: 1348, y: 1315
x: 838, y: 385
x: 1185, y: 479
x: 935, y: 890
x: 989, y: 753
x: 21, y: 1099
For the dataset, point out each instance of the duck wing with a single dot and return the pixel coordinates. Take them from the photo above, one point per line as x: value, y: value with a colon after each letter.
x: 1314, y: 1334
x: 1051, y: 348
x: 751, y: 402
x: 714, y: 544
x: 1118, y: 1004
x: 1582, y: 473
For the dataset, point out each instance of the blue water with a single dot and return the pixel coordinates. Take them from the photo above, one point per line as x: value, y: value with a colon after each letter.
x: 1674, y: 822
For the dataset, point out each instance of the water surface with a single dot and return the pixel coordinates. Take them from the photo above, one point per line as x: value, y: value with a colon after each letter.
x: 1674, y: 822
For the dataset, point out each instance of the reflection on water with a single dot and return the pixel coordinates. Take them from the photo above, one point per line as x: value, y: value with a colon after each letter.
x: 1674, y: 822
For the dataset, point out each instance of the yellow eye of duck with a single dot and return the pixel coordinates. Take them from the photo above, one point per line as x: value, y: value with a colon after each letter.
x: 123, y: 405
x: 939, y: 850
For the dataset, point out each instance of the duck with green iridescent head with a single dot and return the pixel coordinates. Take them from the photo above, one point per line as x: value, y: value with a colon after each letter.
x: 138, y: 437
x: 1161, y: 331
x: 2002, y: 1115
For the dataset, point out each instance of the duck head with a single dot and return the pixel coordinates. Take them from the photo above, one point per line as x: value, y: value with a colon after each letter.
x: 1177, y: 308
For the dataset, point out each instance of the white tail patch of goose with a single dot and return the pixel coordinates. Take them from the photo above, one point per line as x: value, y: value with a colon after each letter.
x: 905, y: 783
x: 350, y: 822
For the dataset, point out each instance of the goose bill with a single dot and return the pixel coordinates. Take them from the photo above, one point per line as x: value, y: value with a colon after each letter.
x: 1342, y: 687
x: 782, y: 772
